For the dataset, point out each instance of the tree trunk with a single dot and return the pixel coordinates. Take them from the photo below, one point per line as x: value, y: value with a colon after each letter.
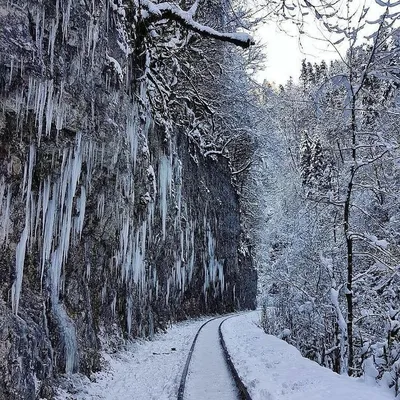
x: 349, y: 244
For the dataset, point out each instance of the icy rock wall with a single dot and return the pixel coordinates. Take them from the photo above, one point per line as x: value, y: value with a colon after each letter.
x: 109, y: 229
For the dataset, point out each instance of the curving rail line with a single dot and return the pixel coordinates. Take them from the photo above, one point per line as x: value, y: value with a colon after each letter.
x: 242, y: 390
x: 181, y: 389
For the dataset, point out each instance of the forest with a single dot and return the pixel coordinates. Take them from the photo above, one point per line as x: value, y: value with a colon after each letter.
x: 329, y: 237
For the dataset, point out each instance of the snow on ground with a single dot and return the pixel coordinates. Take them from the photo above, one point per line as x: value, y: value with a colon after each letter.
x: 274, y: 370
x: 269, y: 367
x: 148, y: 370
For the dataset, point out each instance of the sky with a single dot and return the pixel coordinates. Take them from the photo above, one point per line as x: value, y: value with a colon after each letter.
x: 286, y: 49
x: 285, y: 53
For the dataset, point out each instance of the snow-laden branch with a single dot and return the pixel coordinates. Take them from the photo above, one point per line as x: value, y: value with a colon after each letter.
x: 387, y: 4
x: 185, y: 18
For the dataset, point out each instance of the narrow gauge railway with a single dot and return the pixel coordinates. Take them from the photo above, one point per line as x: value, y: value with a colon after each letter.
x: 209, y: 372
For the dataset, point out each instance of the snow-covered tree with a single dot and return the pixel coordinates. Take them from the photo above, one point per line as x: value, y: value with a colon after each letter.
x: 339, y: 128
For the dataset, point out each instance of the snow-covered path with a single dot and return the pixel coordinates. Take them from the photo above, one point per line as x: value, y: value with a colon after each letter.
x: 209, y: 376
x: 147, y: 370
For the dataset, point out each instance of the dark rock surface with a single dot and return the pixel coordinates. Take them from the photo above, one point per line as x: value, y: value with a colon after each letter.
x: 110, y: 226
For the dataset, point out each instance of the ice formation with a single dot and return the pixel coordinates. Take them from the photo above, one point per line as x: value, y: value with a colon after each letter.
x: 144, y: 206
x: 213, y: 268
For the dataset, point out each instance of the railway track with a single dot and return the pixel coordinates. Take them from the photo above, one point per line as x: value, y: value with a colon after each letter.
x: 241, y: 392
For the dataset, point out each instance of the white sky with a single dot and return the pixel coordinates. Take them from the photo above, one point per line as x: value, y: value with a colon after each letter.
x: 284, y: 52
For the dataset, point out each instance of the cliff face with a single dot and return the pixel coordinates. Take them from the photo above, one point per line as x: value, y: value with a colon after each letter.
x: 111, y: 225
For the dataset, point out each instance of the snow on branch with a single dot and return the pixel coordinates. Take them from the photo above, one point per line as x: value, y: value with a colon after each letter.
x: 387, y: 4
x: 185, y: 18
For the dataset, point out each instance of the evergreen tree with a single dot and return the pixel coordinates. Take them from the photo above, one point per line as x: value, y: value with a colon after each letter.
x: 303, y: 74
x: 320, y: 171
x: 317, y: 73
x: 306, y: 159
x: 310, y: 74
x: 323, y: 68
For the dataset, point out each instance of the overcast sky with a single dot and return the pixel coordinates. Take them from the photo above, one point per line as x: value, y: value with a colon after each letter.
x: 284, y: 54
x: 285, y: 51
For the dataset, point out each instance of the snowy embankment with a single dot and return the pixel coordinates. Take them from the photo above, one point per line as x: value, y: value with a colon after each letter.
x: 148, y: 370
x: 274, y: 370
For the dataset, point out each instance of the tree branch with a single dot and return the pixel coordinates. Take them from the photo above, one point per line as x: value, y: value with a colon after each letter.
x: 173, y: 12
x: 246, y: 166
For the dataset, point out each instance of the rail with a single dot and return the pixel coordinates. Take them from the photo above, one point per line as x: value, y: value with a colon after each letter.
x: 242, y: 389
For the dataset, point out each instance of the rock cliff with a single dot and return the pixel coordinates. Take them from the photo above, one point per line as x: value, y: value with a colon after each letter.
x: 111, y: 225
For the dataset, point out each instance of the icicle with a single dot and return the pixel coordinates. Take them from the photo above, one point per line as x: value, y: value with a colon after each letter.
x: 137, y: 261
x: 103, y: 293
x: 39, y: 34
x: 124, y: 238
x: 31, y: 91
x: 22, y: 244
x: 5, y: 216
x: 221, y: 277
x: 11, y: 69
x: 65, y: 165
x: 178, y: 196
x: 100, y: 206
x: 47, y: 235
x: 132, y: 134
x: 60, y: 224
x: 55, y: 274
x: 81, y: 206
x: 41, y: 96
x: 114, y: 305
x: 91, y: 152
x: 139, y: 251
x: 213, y: 269
x: 24, y: 180
x: 178, y: 269
x: 53, y: 35
x: 19, y: 270
x: 45, y: 200
x: 88, y: 268
x: 191, y: 260
x: 94, y: 33
x: 168, y: 288
x: 150, y: 218
x: 36, y: 207
x: 49, y: 107
x: 68, y: 337
x: 2, y: 192
x: 60, y: 108
x: 66, y: 17
x: 156, y: 285
x: 164, y: 183
x: 129, y: 315
x: 151, y: 325
x: 143, y: 239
